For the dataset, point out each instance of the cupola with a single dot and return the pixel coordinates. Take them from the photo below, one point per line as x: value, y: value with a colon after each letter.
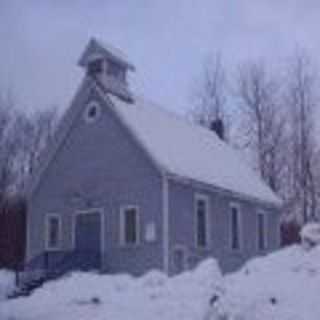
x: 109, y: 67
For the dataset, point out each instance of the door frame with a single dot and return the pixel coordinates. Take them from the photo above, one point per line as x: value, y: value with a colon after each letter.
x: 102, y: 227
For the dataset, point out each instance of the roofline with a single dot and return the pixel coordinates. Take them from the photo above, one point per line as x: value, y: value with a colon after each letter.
x: 217, y: 189
x: 94, y: 42
x: 104, y: 95
x: 35, y: 181
x: 127, y: 97
x: 135, y: 137
x: 60, y: 136
x: 186, y: 180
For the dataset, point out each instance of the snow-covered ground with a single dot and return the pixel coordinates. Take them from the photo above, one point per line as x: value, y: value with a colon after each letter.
x: 284, y: 285
x: 7, y: 283
x: 90, y: 296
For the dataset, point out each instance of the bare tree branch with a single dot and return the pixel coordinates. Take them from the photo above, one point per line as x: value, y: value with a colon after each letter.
x: 210, y: 94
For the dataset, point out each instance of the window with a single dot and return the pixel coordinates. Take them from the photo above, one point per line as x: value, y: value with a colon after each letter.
x: 235, y: 228
x: 92, y: 112
x: 201, y: 209
x: 130, y: 230
x: 116, y: 71
x: 95, y: 66
x: 53, y: 232
x: 261, y: 226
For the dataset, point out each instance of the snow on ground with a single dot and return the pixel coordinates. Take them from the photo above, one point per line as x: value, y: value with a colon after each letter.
x: 283, y: 285
x: 7, y: 282
x: 310, y: 235
x: 91, y: 296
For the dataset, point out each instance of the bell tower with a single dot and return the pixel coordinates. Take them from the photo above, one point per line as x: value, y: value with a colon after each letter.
x: 109, y: 67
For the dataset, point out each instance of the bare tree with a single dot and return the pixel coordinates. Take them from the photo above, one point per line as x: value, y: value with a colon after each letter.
x: 263, y: 122
x: 36, y: 132
x: 8, y: 143
x: 276, y: 115
x: 302, y: 100
x: 210, y: 93
x: 23, y: 137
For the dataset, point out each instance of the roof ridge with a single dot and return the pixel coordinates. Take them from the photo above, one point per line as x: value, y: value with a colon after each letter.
x: 189, y: 150
x: 177, y: 116
x: 114, y: 51
x: 107, y: 46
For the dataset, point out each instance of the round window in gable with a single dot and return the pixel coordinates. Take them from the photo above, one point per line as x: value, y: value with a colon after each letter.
x: 92, y: 112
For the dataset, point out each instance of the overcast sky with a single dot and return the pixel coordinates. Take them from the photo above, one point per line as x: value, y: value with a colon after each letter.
x: 167, y: 40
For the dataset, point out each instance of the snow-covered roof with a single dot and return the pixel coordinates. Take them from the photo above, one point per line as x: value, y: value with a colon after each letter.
x: 98, y: 48
x: 190, y: 151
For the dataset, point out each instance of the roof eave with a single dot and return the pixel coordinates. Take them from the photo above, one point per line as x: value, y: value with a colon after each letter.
x: 187, y: 180
x: 159, y: 167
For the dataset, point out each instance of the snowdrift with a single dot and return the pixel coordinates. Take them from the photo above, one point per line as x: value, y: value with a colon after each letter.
x: 283, y: 285
x: 310, y: 235
x: 120, y: 297
x: 7, y: 283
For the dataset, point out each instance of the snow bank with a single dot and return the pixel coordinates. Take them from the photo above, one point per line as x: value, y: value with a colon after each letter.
x: 7, y: 283
x: 310, y: 235
x: 121, y: 297
x: 284, y: 285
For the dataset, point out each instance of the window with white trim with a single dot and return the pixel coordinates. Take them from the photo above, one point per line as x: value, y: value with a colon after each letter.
x: 53, y: 232
x: 130, y: 226
x: 261, y: 231
x: 235, y: 228
x: 201, y: 211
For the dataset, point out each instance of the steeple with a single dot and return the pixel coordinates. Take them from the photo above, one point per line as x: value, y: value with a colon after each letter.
x: 109, y: 67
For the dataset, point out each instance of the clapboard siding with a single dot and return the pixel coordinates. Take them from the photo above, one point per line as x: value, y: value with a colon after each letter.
x: 100, y: 165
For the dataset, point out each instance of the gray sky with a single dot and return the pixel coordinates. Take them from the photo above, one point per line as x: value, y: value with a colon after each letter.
x: 167, y: 40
